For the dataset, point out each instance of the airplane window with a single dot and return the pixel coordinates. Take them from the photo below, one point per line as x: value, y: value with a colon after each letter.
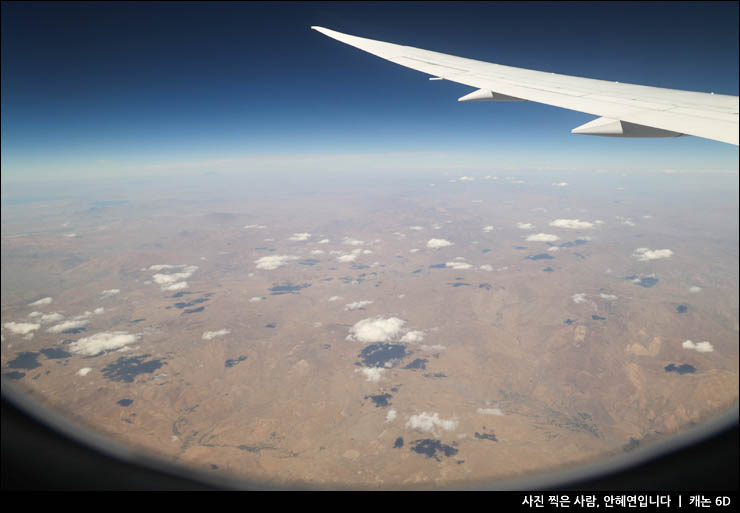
x: 243, y: 248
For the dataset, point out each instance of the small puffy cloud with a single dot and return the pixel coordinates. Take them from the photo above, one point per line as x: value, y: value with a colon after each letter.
x: 105, y: 341
x: 300, y: 236
x: 645, y: 254
x: 579, y: 298
x: 335, y: 298
x: 524, y: 226
x: 255, y: 299
x: 608, y: 296
x: 488, y: 228
x: 376, y: 329
x: 414, y: 250
x: 490, y: 411
x: 84, y: 371
x: 358, y: 305
x: 21, y: 328
x: 560, y: 184
x: 429, y: 422
x: 353, y: 242
x: 391, y: 415
x: 416, y: 228
x: 413, y: 337
x: 467, y: 179
x: 432, y: 348
x: 209, y: 335
x: 627, y: 222
x: 272, y: 262
x: 572, y: 224
x: 98, y: 311
x: 458, y: 266
x: 702, y: 347
x: 317, y: 252
x: 255, y: 226
x: 347, y: 258
x: 438, y: 243
x: 41, y: 302
x: 486, y: 267
x: 176, y: 286
x: 373, y: 374
x: 110, y: 292
x: 553, y: 249
x: 542, y: 237
x: 48, y: 318
x: 367, y: 252
x: 68, y: 325
x: 174, y: 280
x: 694, y: 289
x: 324, y: 241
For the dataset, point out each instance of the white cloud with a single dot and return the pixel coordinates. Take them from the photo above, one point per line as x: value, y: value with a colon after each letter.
x: 488, y: 228
x: 416, y: 228
x: 68, y: 325
x: 110, y: 292
x: 376, y: 329
x: 335, y: 298
x: 176, y: 286
x: 170, y: 281
x: 105, y: 341
x: 414, y: 250
x: 573, y: 224
x: 695, y: 289
x: 542, y: 237
x: 702, y: 347
x: 391, y: 415
x: 209, y: 335
x: 367, y: 252
x: 458, y: 266
x: 300, y: 236
x: 373, y: 374
x: 645, y: 254
x: 432, y: 348
x: 486, y: 267
x: 490, y: 411
x: 413, y: 337
x: 553, y: 249
x: 358, y: 305
x: 353, y: 242
x: 438, y: 243
x: 347, y: 258
x: 98, y: 311
x: 429, y: 422
x: 524, y: 226
x: 255, y: 299
x: 608, y: 296
x: 560, y: 184
x: 83, y: 371
x: 41, y: 302
x: 467, y: 179
x: 579, y: 298
x: 317, y: 252
x: 272, y: 262
x: 627, y: 222
x: 47, y: 318
x: 257, y: 226
x: 21, y: 328
x: 324, y: 241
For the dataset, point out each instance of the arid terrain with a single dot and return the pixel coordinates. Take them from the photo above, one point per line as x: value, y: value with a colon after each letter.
x: 422, y: 331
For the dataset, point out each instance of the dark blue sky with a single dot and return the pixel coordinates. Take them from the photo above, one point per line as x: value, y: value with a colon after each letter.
x: 104, y: 88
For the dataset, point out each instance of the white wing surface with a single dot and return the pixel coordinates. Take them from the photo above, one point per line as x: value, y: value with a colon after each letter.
x: 624, y: 110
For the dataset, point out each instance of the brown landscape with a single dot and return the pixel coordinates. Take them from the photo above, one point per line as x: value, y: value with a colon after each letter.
x: 421, y: 332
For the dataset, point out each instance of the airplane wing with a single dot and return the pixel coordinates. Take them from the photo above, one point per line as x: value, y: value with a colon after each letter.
x: 624, y: 110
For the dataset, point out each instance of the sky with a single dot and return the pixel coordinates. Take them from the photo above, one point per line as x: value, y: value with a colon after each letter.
x: 100, y: 90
